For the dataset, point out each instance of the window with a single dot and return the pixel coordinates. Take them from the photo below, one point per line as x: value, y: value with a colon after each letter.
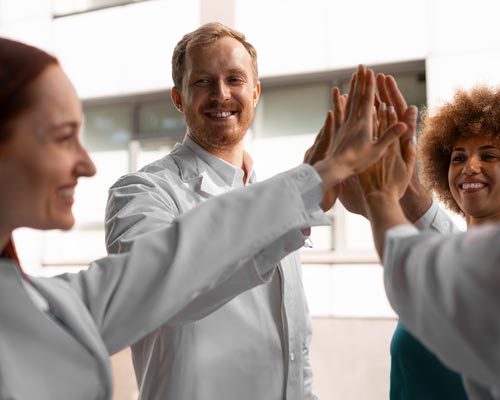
x: 62, y: 8
x: 289, y: 115
x: 160, y: 119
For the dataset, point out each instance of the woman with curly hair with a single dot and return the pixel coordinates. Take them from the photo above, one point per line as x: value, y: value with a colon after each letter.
x: 460, y: 164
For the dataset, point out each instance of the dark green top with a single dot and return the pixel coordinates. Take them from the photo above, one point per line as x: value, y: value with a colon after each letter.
x: 417, y: 374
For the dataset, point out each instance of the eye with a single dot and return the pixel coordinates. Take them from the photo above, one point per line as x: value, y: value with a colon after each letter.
x: 489, y: 157
x: 66, y: 137
x: 236, y: 80
x: 202, y: 82
x: 458, y: 158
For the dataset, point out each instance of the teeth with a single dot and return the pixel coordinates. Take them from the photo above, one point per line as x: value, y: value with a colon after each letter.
x: 223, y: 114
x: 472, y: 185
x: 66, y: 192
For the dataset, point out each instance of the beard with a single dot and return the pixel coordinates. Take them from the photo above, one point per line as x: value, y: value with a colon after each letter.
x: 217, y: 136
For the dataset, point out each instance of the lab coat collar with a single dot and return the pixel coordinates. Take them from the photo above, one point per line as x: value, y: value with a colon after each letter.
x: 206, y: 172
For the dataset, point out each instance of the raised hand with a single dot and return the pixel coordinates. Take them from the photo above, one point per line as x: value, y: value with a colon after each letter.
x: 416, y: 200
x: 350, y: 192
x: 353, y: 149
x: 318, y: 151
x: 390, y: 175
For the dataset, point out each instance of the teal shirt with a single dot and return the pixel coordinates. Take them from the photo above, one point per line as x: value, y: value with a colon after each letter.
x: 417, y: 374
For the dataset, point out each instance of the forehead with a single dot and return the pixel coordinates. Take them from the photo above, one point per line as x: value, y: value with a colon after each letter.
x: 222, y: 55
x: 477, y: 141
x: 53, y: 91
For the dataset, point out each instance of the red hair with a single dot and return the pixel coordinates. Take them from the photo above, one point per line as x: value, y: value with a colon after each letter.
x: 20, y: 65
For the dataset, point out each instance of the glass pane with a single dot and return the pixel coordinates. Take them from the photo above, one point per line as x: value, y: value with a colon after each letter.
x: 292, y: 110
x: 147, y: 151
x: 62, y: 7
x: 412, y: 86
x: 107, y: 128
x: 160, y: 119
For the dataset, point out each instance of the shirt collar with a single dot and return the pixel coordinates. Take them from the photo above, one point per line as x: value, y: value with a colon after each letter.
x: 231, y: 175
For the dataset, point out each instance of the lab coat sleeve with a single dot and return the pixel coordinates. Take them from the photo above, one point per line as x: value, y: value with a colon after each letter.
x: 307, y: 370
x: 446, y: 291
x: 437, y: 219
x: 161, y: 280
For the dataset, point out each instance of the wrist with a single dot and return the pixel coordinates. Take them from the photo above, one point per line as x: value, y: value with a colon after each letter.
x: 379, y: 199
x: 329, y: 174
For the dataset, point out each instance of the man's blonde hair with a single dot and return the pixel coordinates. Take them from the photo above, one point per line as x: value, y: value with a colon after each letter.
x: 206, y: 34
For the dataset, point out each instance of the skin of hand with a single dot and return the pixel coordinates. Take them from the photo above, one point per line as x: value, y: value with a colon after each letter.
x: 318, y: 151
x: 384, y: 183
x: 350, y: 192
x: 416, y: 200
x: 352, y: 149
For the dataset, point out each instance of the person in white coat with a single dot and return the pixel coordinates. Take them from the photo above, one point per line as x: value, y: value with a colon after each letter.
x: 445, y: 288
x: 56, y: 334
x: 257, y: 345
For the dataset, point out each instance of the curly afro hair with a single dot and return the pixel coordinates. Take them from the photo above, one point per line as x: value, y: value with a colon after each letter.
x: 471, y: 113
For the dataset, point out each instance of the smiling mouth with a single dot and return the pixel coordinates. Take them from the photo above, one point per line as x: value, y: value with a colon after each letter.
x: 66, y: 193
x: 472, y: 186
x: 221, y: 114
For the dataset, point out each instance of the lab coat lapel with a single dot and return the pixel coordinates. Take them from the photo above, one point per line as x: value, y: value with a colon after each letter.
x: 197, y: 173
x: 68, y: 307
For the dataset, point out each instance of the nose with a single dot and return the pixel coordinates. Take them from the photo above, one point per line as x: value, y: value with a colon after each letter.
x: 220, y: 91
x: 472, y: 166
x: 84, y: 165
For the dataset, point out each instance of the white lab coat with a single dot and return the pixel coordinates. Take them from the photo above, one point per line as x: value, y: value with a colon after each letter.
x: 115, y: 302
x: 446, y: 291
x: 236, y: 352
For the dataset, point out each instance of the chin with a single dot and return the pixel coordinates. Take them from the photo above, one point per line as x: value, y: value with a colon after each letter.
x: 64, y: 223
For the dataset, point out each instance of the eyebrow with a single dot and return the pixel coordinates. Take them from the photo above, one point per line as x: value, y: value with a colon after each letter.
x: 232, y: 71
x: 488, y: 147
x: 62, y: 125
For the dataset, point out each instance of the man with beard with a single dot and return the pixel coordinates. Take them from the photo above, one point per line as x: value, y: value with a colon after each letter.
x: 256, y: 345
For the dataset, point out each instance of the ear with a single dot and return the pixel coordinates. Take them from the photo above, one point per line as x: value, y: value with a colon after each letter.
x: 256, y: 94
x: 176, y: 97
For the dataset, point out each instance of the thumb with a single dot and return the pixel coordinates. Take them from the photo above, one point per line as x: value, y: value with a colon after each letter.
x: 410, y: 119
x: 410, y: 154
x: 392, y: 134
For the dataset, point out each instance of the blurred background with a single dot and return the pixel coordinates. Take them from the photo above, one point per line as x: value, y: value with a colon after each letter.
x: 118, y: 54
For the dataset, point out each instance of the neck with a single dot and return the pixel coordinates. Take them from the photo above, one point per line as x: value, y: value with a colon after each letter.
x: 4, y: 239
x: 476, y: 221
x: 232, y: 155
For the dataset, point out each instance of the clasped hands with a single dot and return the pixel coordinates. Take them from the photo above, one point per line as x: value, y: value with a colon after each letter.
x: 366, y: 146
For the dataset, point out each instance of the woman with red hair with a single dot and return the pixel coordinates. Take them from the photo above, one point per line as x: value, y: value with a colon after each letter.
x: 56, y: 334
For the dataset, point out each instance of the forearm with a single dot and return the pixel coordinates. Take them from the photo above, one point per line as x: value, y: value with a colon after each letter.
x: 384, y: 213
x: 445, y: 297
x: 416, y: 200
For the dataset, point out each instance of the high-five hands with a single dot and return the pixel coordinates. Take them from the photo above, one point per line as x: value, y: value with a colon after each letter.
x: 352, y: 148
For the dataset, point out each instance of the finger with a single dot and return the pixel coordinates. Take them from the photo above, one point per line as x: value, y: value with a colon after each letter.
x: 354, y: 78
x: 375, y: 124
x: 343, y: 101
x: 392, y: 118
x: 396, y: 97
x: 409, y: 153
x: 356, y: 95
x: 382, y: 89
x: 382, y: 119
x: 377, y: 101
x: 322, y: 143
x: 368, y: 97
x: 389, y: 137
x: 410, y: 119
x: 338, y: 107
x: 329, y: 128
x: 306, y: 155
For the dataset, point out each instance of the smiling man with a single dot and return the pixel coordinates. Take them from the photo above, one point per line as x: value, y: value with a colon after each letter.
x: 256, y: 345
